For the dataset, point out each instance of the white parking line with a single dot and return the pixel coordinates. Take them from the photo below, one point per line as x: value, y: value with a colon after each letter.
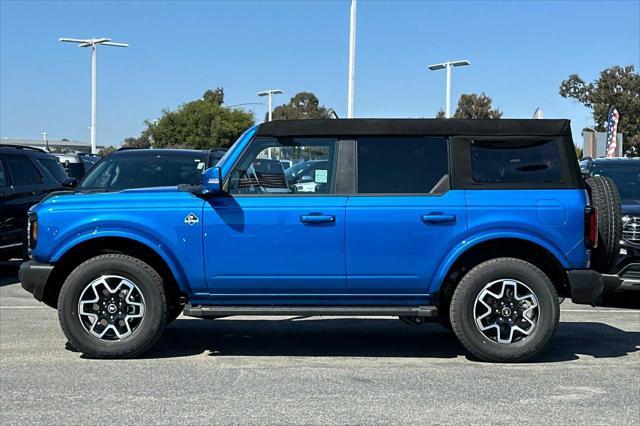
x: 610, y: 311
x: 24, y: 307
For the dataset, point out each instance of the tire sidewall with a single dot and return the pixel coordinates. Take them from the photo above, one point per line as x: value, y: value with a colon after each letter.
x: 463, y: 318
x: 83, y: 275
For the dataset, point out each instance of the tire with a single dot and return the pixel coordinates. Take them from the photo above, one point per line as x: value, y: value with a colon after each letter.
x: 606, y: 198
x: 143, y: 293
x: 504, y: 273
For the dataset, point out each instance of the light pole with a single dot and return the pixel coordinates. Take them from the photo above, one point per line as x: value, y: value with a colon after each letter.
x: 93, y: 43
x: 447, y: 65
x: 46, y: 141
x: 352, y: 58
x: 270, y: 94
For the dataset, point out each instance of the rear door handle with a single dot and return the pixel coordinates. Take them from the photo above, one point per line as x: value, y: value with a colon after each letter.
x: 439, y: 218
x: 316, y: 219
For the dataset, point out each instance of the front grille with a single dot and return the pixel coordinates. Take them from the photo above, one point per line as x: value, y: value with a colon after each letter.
x: 631, y: 230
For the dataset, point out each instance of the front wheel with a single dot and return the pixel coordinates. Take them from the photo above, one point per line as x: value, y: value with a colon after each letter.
x: 504, y: 310
x: 112, y: 306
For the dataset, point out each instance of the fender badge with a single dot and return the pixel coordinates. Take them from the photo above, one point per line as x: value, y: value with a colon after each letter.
x: 191, y: 219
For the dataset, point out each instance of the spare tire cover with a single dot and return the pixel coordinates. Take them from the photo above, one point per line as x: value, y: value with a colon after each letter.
x: 606, y: 198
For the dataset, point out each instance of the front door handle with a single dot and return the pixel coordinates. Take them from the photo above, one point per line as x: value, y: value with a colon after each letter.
x: 438, y: 218
x: 316, y: 219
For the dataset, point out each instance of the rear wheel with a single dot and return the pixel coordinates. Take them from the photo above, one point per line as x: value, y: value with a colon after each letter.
x: 504, y: 310
x: 112, y: 306
x: 606, y: 198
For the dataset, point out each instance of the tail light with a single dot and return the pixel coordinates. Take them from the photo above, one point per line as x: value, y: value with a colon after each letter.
x: 591, y: 227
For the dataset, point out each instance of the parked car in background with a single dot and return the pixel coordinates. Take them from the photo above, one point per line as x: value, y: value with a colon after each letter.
x: 76, y: 165
x: 625, y: 172
x: 142, y: 168
x: 306, y: 176
x: 26, y: 176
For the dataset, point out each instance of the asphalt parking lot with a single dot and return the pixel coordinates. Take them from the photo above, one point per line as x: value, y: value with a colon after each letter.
x: 316, y: 371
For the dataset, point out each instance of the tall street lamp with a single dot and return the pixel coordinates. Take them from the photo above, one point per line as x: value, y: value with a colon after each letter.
x: 270, y: 94
x: 93, y: 44
x: 447, y: 65
x: 352, y: 59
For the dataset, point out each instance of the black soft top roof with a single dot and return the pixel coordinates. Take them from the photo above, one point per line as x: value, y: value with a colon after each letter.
x: 414, y: 127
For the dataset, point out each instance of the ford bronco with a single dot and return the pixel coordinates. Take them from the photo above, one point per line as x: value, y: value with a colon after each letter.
x: 481, y: 225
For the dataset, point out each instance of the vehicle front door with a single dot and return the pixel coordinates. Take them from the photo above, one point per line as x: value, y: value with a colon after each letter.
x: 267, y: 236
x: 403, y: 220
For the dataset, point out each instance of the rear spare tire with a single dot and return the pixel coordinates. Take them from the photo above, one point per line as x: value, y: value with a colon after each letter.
x: 606, y: 199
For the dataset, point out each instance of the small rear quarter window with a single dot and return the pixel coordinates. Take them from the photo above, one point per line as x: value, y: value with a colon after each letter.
x: 515, y: 161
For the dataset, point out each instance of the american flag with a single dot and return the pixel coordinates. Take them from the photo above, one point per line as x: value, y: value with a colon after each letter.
x: 612, y: 131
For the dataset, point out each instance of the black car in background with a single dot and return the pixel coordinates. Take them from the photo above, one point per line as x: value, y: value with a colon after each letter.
x: 26, y: 176
x: 142, y: 168
x: 77, y: 164
x: 625, y: 172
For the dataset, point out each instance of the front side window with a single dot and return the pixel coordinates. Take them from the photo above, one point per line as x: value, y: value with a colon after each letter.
x: 401, y: 165
x: 515, y: 161
x: 262, y: 171
x: 23, y: 171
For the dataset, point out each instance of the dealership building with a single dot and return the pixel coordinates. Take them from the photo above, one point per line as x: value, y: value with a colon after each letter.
x: 63, y: 145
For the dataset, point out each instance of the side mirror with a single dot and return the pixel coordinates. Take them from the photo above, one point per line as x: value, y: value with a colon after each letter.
x: 212, y: 180
x: 306, y: 179
x: 70, y: 182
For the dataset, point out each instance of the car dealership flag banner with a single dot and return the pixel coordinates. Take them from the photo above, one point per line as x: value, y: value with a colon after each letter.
x: 612, y: 131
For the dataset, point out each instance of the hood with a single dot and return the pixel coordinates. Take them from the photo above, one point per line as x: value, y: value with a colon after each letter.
x: 92, y: 200
x: 631, y: 207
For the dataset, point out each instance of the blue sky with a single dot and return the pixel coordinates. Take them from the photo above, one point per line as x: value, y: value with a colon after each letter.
x: 520, y: 52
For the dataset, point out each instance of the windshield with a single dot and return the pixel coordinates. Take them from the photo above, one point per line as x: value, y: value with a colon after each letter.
x: 626, y: 178
x: 117, y: 172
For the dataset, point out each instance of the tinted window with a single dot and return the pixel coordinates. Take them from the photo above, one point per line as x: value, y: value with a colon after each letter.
x: 3, y: 177
x: 123, y: 171
x: 625, y: 176
x: 53, y: 166
x: 260, y: 170
x: 401, y: 165
x: 515, y: 161
x: 23, y: 171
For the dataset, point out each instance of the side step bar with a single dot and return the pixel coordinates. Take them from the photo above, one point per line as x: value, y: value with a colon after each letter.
x: 212, y: 311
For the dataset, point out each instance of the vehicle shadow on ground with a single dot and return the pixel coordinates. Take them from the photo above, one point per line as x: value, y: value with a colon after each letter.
x: 340, y: 337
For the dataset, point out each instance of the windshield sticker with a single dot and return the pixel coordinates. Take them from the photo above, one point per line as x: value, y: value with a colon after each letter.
x: 321, y: 176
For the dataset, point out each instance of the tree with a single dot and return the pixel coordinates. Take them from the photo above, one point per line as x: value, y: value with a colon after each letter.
x: 304, y: 105
x: 200, y: 124
x: 143, y: 141
x: 106, y: 150
x: 619, y: 86
x: 440, y: 114
x: 476, y: 107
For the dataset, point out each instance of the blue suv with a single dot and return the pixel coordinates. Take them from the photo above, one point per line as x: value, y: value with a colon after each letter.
x: 482, y: 225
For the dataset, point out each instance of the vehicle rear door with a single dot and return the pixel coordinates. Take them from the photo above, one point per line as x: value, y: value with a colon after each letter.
x: 264, y: 236
x: 403, y: 219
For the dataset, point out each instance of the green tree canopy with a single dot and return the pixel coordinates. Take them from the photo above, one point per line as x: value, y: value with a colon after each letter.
x: 200, y: 124
x: 107, y: 150
x: 143, y: 141
x: 476, y: 107
x: 619, y: 86
x: 303, y: 105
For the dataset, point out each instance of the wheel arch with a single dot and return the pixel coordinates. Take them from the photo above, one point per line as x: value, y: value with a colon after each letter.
x: 72, y: 255
x: 541, y: 254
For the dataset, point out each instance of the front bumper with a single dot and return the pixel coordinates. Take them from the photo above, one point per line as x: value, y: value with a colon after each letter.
x: 589, y: 286
x: 34, y: 276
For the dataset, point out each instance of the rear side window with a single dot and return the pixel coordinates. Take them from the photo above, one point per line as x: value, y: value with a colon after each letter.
x: 54, y: 167
x: 23, y: 171
x: 515, y: 161
x: 401, y: 165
